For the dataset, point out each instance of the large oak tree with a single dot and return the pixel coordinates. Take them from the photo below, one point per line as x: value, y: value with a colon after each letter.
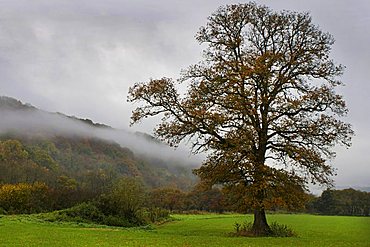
x: 262, y: 104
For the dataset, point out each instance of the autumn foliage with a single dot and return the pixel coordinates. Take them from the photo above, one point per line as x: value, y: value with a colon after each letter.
x: 24, y: 198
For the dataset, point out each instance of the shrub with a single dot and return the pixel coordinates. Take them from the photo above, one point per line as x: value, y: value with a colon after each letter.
x: 125, y: 200
x: 281, y: 230
x: 156, y: 214
x: 244, y: 229
x: 91, y: 213
x: 85, y: 212
x: 23, y: 198
x: 130, y: 194
x: 111, y: 220
x: 276, y: 230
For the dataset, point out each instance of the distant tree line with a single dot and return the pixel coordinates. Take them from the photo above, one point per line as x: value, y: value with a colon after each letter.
x: 127, y: 201
x: 349, y: 202
x: 341, y: 202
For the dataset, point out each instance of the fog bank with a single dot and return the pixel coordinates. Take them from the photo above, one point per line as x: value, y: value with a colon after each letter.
x: 33, y: 122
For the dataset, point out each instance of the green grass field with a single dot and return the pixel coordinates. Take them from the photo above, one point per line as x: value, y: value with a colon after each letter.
x: 186, y: 230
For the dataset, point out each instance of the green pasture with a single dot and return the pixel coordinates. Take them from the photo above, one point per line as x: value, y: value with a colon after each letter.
x: 186, y: 230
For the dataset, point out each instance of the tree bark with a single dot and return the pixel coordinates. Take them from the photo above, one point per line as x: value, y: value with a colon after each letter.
x: 260, y: 226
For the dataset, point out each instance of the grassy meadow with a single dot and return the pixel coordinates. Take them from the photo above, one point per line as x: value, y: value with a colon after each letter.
x: 186, y: 230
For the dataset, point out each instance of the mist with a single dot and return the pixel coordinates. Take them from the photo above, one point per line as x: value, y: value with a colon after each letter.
x: 37, y: 123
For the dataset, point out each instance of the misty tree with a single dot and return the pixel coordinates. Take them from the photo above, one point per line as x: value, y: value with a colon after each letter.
x: 262, y: 104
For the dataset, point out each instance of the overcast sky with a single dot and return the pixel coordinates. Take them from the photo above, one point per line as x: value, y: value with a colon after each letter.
x: 80, y: 56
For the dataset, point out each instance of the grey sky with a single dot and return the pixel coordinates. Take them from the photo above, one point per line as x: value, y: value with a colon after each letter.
x: 80, y: 56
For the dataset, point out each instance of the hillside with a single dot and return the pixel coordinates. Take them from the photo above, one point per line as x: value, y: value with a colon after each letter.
x: 67, y: 151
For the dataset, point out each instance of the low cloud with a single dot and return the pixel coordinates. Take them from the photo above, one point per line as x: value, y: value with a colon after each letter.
x: 34, y: 122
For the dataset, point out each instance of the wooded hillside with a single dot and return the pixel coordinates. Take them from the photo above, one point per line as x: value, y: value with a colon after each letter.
x: 80, y: 165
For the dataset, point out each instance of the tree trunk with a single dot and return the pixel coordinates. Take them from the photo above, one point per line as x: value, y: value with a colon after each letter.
x: 260, y: 226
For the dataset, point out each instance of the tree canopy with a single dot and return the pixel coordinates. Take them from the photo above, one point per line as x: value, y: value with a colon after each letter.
x: 262, y: 104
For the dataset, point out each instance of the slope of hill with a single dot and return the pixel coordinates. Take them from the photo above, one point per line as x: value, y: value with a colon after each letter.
x: 56, y: 149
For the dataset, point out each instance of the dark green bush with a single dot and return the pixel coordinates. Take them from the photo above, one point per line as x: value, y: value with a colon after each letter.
x: 111, y: 220
x: 85, y: 212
